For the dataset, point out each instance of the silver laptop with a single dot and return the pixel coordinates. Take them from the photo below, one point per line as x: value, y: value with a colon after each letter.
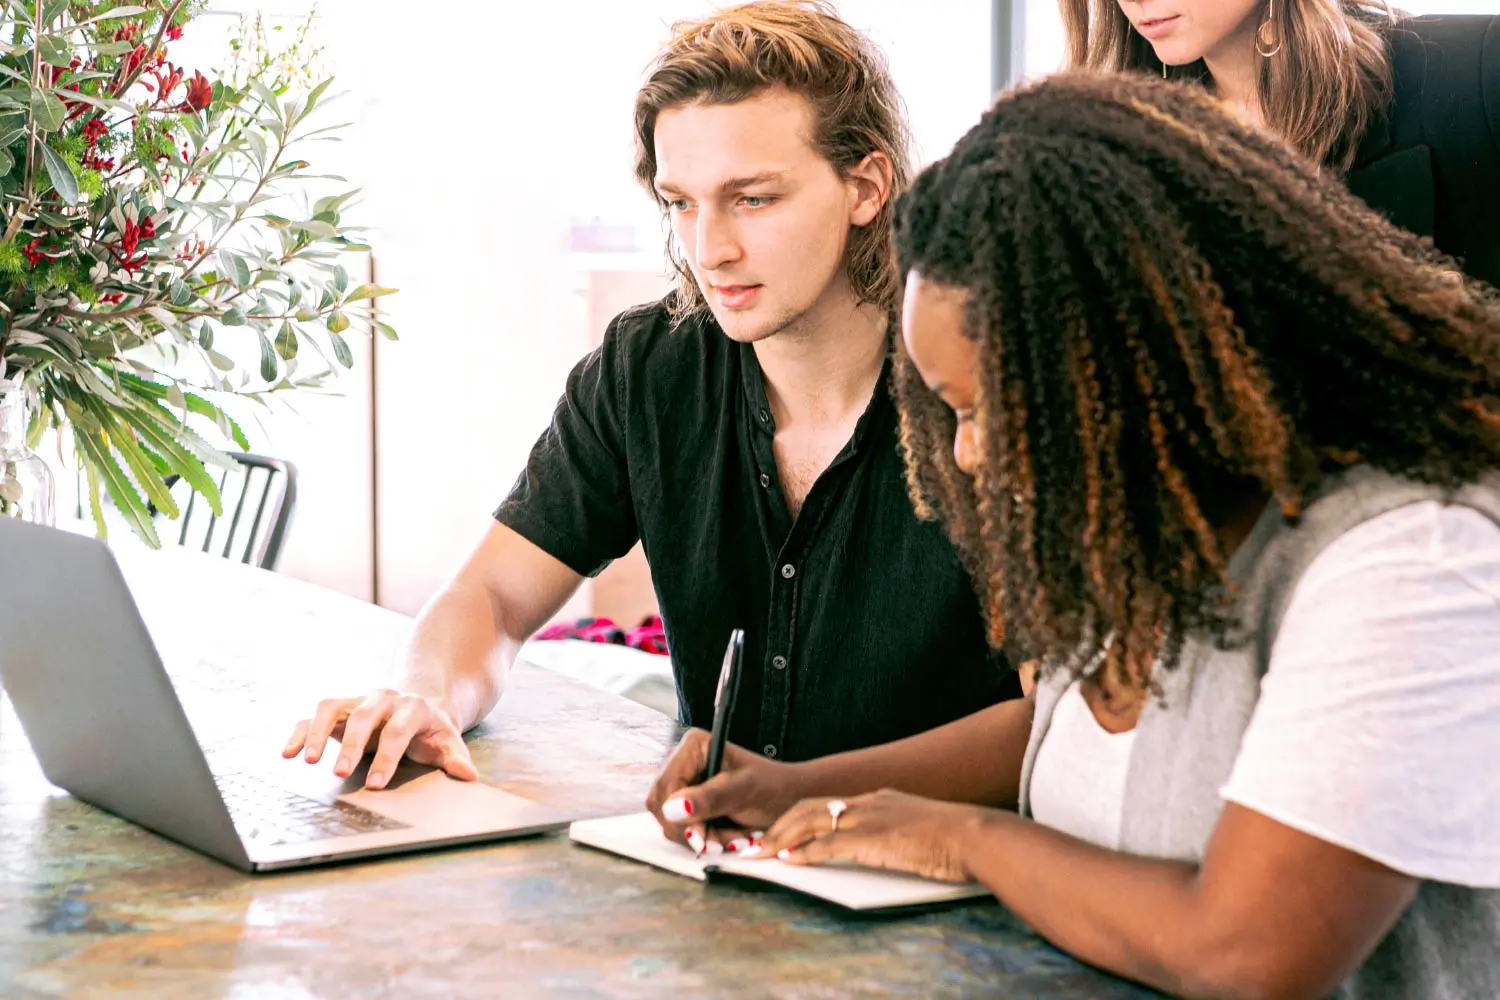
x: 99, y: 709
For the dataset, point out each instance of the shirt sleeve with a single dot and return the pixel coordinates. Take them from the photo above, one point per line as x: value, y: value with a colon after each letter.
x: 573, y: 499
x: 1378, y: 725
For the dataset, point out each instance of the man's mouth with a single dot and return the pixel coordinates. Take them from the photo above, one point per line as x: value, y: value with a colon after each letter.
x: 737, y: 296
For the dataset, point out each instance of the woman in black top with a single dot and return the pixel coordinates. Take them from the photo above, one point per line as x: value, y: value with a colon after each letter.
x: 1408, y: 109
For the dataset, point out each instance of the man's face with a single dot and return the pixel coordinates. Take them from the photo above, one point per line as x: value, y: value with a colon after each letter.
x: 761, y: 218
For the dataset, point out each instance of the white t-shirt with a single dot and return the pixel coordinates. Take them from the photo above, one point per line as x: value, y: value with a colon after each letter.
x: 1378, y: 724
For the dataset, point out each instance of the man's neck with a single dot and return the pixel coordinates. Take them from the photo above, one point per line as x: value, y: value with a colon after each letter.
x: 823, y: 369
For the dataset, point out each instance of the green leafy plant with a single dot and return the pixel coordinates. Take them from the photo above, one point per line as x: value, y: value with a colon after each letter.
x: 149, y: 214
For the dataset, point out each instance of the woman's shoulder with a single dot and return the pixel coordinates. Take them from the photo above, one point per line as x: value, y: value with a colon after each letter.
x: 1437, y: 60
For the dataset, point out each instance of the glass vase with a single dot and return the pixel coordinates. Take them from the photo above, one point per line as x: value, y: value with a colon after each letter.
x: 28, y: 489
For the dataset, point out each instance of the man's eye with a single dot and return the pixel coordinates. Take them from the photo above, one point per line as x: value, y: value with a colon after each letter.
x: 757, y: 200
x: 678, y: 204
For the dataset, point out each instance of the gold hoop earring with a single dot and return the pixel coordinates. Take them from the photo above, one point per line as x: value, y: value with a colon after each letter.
x: 1266, y: 49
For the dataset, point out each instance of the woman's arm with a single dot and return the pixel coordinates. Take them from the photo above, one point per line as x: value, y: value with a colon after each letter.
x: 1271, y: 912
x: 976, y: 759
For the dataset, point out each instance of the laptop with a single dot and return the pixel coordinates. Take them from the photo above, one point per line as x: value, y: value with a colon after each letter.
x: 99, y: 709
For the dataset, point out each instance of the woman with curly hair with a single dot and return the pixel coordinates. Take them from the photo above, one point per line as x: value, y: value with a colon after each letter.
x: 1216, y: 443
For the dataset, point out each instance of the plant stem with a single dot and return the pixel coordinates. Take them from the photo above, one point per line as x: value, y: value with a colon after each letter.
x: 161, y: 32
x: 36, y: 76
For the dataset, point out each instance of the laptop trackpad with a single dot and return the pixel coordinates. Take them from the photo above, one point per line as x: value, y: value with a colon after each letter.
x: 422, y: 796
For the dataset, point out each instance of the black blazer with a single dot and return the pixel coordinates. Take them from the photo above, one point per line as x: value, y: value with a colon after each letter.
x: 1432, y: 164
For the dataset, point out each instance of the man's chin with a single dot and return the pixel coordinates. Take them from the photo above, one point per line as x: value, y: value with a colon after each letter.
x: 744, y: 327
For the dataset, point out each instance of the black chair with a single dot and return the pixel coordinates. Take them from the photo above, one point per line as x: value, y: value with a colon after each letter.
x: 258, y: 501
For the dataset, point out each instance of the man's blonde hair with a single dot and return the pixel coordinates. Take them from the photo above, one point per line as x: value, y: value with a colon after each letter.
x: 801, y: 45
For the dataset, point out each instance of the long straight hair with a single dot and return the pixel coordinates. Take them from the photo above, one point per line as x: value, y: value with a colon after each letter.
x: 1329, y: 81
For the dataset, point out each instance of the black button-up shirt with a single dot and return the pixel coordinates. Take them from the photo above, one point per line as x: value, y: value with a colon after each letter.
x: 860, y: 624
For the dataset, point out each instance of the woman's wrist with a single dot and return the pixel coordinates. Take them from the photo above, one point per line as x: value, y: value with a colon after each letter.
x: 976, y: 832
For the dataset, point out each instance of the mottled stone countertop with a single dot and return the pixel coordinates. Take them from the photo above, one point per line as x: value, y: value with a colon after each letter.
x: 92, y: 906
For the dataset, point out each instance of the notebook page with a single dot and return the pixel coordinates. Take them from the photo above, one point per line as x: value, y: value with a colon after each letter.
x: 854, y: 887
x: 638, y: 836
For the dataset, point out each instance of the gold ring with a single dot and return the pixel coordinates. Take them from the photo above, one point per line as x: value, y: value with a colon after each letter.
x: 836, y: 808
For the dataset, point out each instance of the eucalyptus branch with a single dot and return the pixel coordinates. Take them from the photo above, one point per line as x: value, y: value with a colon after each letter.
x: 36, y: 76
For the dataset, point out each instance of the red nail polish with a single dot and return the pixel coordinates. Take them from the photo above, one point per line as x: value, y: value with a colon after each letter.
x: 687, y: 804
x: 729, y: 848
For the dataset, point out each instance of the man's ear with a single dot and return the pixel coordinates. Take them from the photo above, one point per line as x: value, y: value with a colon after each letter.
x: 870, y: 185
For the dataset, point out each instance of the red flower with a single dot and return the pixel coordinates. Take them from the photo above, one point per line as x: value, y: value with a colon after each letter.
x: 112, y: 298
x: 200, y: 93
x: 35, y: 256
x: 174, y: 33
x: 134, y: 59
x: 94, y: 131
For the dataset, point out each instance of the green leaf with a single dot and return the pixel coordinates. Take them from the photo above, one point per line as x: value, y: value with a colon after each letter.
x: 286, y: 341
x: 267, y: 358
x: 127, y: 500
x: 112, y: 48
x: 206, y: 336
x: 316, y: 228
x: 235, y: 268
x: 55, y: 52
x: 92, y: 475
x: 341, y: 350
x: 234, y: 317
x: 337, y: 322
x: 220, y: 362
x: 179, y: 459
x: 7, y: 162
x: 63, y: 180
x: 47, y: 111
x: 195, y: 404
x: 387, y: 330
x: 369, y: 292
x: 340, y: 278
x: 147, y: 476
x: 182, y: 295
x: 116, y: 12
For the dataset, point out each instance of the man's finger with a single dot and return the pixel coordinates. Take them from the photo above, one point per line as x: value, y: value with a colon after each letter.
x: 361, y: 724
x: 298, y: 739
x: 457, y: 761
x: 392, y: 744
x: 330, y: 712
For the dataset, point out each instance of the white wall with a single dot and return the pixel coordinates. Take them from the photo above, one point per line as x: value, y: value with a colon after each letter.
x: 474, y: 166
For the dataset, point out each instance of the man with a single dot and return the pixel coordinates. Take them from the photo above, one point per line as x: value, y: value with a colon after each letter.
x: 741, y: 429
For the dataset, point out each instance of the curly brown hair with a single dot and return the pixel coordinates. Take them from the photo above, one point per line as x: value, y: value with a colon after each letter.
x: 1173, y: 313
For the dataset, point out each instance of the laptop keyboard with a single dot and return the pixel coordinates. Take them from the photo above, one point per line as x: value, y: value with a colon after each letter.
x: 270, y: 815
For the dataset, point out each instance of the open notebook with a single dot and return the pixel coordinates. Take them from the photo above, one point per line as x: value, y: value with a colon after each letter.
x: 639, y: 837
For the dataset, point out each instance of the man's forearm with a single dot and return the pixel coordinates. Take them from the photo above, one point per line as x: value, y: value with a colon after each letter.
x: 459, y: 654
x: 975, y: 759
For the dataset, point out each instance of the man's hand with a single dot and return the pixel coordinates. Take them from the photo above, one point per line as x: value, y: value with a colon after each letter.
x: 394, y: 724
x: 750, y: 791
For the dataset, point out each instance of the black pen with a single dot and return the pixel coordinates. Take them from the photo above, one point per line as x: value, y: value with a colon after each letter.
x: 724, y: 696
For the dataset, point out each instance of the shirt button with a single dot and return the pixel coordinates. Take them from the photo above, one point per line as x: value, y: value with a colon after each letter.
x: 779, y: 662
x: 788, y: 571
x: 765, y: 480
x: 769, y: 750
x: 765, y: 416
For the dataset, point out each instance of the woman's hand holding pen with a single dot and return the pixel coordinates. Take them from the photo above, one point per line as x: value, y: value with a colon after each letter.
x: 750, y: 792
